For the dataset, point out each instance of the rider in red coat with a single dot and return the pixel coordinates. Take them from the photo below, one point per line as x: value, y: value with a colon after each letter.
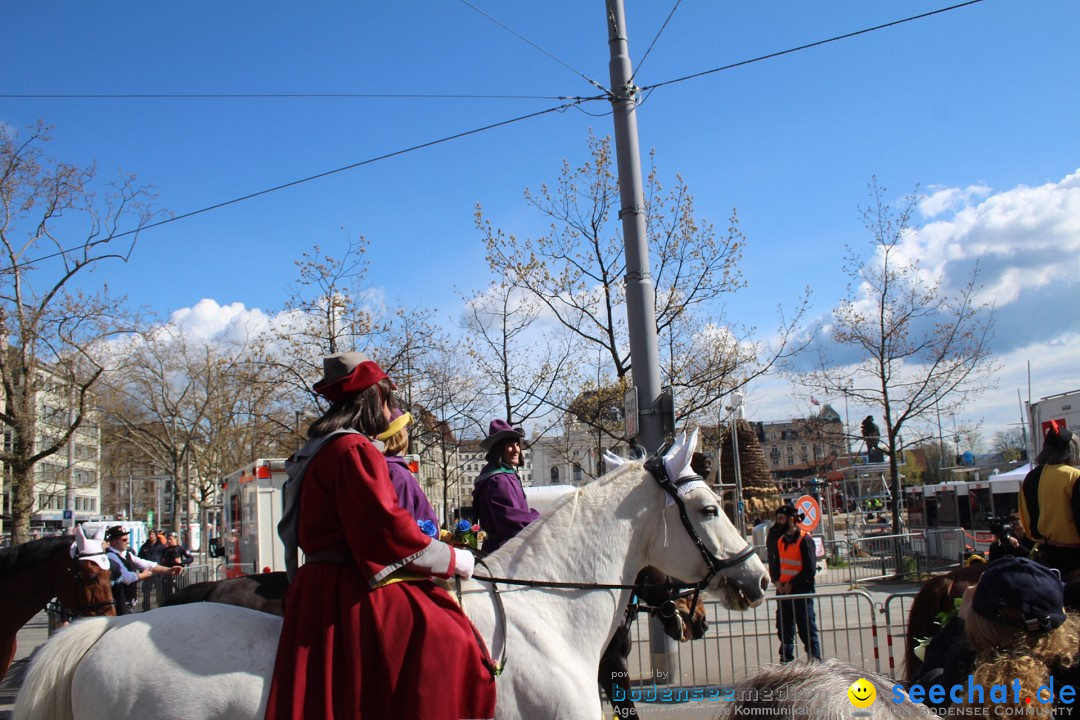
x: 367, y: 634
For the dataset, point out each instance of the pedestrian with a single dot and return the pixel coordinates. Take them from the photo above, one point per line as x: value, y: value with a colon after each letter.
x: 367, y: 633
x: 1049, y: 504
x: 410, y: 495
x: 792, y: 565
x: 498, y: 497
x: 126, y: 569
x: 152, y: 550
x: 174, y: 555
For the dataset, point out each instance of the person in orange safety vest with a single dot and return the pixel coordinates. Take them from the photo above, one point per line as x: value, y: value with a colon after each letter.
x: 792, y: 565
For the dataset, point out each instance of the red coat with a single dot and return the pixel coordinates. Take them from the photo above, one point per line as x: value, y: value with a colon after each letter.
x: 347, y: 650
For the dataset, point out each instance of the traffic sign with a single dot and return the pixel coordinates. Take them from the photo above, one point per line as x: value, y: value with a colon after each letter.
x: 811, y: 512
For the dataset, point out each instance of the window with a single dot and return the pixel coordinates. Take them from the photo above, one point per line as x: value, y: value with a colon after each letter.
x: 554, y: 475
x: 579, y: 475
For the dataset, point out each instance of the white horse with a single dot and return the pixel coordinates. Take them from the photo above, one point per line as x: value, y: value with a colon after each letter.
x: 208, y: 660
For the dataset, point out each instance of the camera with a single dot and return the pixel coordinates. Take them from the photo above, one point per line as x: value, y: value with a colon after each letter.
x: 1001, y: 527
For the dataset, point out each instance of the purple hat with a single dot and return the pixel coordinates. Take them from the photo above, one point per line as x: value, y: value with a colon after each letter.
x: 500, y: 430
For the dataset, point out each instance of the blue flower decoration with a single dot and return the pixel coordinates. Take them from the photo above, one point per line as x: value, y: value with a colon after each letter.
x: 462, y: 527
x: 428, y: 528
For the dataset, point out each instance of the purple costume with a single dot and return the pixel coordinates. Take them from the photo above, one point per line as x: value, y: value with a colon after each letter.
x: 500, y: 505
x: 410, y: 497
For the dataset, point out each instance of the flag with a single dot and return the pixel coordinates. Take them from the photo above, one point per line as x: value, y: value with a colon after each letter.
x: 814, y: 401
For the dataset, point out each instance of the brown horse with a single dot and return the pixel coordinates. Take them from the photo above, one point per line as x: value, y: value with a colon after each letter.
x: 33, y: 573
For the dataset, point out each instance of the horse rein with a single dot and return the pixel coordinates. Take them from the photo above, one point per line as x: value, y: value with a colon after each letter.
x: 656, y: 468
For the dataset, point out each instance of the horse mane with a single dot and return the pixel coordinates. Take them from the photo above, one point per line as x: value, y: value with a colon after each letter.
x: 18, y: 558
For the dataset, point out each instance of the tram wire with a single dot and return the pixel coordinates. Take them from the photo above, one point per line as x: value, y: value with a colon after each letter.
x: 572, y: 101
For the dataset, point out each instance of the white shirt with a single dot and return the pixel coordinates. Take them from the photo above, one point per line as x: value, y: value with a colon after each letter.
x: 141, y: 564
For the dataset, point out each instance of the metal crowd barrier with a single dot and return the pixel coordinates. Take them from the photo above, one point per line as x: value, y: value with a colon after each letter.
x: 737, y: 643
x: 896, y: 609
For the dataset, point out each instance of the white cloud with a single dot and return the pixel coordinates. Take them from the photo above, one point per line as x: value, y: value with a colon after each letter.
x: 1026, y: 242
x: 209, y: 321
x: 942, y: 199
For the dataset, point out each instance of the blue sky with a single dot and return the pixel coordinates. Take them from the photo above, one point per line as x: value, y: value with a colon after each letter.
x: 976, y: 106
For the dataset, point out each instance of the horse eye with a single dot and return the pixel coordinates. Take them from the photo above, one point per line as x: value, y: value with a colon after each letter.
x: 711, y: 511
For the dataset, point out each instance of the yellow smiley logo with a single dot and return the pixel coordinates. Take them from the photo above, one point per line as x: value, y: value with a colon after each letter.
x: 862, y: 693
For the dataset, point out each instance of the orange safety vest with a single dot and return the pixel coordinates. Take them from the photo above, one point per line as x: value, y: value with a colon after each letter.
x: 790, y: 557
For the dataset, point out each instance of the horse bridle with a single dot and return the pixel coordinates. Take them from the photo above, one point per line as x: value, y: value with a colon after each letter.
x: 655, y: 466
x: 657, y: 469
x: 80, y: 580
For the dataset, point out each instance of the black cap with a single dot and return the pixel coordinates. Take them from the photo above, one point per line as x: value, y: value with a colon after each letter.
x: 116, y: 531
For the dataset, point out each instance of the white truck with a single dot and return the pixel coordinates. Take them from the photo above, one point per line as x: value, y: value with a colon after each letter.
x: 1064, y: 407
x: 252, y: 501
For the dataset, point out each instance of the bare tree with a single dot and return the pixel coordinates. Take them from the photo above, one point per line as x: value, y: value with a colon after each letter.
x: 448, y: 404
x: 53, y: 227
x: 922, y: 348
x: 530, y: 368
x: 576, y: 271
x: 197, y: 410
x: 322, y: 316
x: 1011, y: 444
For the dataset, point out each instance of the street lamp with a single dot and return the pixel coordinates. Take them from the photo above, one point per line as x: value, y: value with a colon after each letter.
x: 736, y: 409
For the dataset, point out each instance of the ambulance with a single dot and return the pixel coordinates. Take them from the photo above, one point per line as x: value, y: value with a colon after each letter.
x: 252, y: 500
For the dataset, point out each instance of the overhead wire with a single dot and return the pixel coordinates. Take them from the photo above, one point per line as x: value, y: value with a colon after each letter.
x: 327, y: 173
x: 274, y: 96
x: 518, y: 35
x: 570, y: 102
x: 845, y: 36
x: 657, y: 37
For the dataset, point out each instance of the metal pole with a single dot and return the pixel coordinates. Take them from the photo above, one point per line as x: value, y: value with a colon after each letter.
x: 740, y: 520
x: 640, y: 294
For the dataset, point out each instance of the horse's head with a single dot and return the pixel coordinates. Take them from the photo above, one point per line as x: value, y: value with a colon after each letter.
x: 700, y: 542
x: 86, y: 589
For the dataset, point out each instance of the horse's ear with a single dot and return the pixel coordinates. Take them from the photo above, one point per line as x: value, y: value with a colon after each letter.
x: 677, y: 459
x: 613, y: 461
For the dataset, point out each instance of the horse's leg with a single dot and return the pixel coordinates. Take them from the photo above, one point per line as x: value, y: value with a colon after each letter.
x: 614, y: 673
x: 7, y: 653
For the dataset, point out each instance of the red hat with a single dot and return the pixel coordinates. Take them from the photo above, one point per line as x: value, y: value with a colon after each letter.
x: 346, y: 374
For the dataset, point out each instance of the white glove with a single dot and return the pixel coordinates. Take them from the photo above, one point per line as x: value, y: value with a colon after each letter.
x: 463, y: 563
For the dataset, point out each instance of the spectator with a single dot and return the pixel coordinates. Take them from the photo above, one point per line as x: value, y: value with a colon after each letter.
x: 792, y: 565
x: 1009, y: 539
x: 1017, y: 629
x: 1049, y: 503
x: 498, y: 497
x: 174, y: 555
x: 152, y: 550
x: 125, y: 569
